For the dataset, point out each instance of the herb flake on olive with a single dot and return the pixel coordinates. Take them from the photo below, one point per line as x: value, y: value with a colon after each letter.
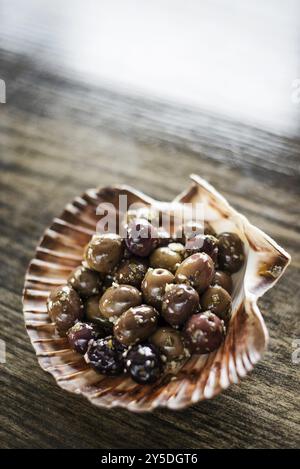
x: 143, y: 363
x: 131, y: 271
x: 118, y: 299
x: 231, y: 252
x: 136, y: 324
x: 217, y: 300
x: 198, y: 270
x: 85, y: 281
x: 204, y: 333
x: 179, y: 303
x: 154, y: 285
x: 141, y: 237
x: 80, y: 335
x: 106, y: 356
x: 169, y: 342
x: 104, y: 252
x: 64, y: 308
x: 167, y: 257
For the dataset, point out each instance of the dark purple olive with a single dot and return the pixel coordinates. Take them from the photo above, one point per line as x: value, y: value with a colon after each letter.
x: 179, y: 303
x: 143, y: 363
x: 80, y: 335
x: 141, y: 237
x: 204, y: 333
x: 106, y: 356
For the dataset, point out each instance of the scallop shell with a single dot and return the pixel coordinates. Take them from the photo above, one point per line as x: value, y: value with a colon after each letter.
x: 202, y: 377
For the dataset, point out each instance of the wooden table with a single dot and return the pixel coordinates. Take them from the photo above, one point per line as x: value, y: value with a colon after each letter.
x: 59, y: 137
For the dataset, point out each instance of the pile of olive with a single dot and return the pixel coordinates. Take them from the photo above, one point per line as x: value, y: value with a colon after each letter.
x: 138, y: 304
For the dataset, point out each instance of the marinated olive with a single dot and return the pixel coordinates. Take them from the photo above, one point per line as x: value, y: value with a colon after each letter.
x: 141, y: 237
x: 198, y: 270
x: 169, y: 342
x: 203, y: 243
x: 80, y: 335
x: 118, y: 299
x: 143, y: 363
x: 217, y: 300
x: 65, y: 308
x: 167, y: 257
x: 154, y: 284
x: 136, y: 324
x: 104, y: 252
x: 231, y: 252
x: 132, y: 271
x: 85, y: 281
x: 106, y: 356
x: 92, y: 313
x: 179, y: 303
x: 224, y: 280
x: 204, y: 333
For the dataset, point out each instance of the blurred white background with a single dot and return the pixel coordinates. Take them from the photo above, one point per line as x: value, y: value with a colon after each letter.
x: 235, y: 57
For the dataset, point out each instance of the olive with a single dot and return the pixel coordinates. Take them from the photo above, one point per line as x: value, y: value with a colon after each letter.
x: 167, y: 257
x: 104, y: 252
x: 65, y: 308
x: 118, y: 299
x: 169, y: 342
x: 141, y: 237
x: 132, y: 271
x: 224, y: 280
x: 85, y: 281
x: 154, y: 284
x: 179, y: 303
x: 106, y: 356
x: 136, y: 324
x: 144, y: 364
x: 198, y: 270
x: 93, y: 314
x: 203, y: 332
x: 217, y: 300
x: 203, y: 243
x: 231, y: 252
x: 80, y: 335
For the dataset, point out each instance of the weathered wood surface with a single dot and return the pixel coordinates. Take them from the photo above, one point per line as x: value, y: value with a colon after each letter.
x: 59, y: 137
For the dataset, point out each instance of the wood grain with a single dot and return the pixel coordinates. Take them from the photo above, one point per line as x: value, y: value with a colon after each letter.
x: 59, y: 137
